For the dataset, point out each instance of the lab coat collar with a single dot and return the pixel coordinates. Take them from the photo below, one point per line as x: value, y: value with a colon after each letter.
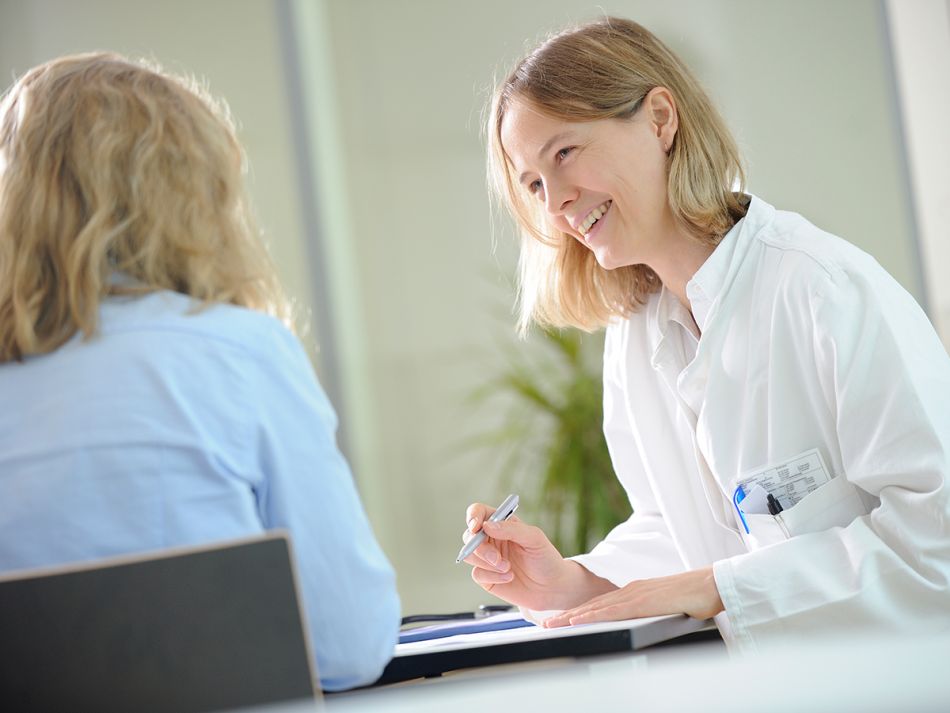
x: 706, y: 287
x: 715, y: 276
x: 666, y: 310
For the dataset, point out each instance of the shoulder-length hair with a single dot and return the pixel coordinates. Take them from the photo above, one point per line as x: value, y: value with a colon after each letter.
x: 603, y: 70
x: 110, y: 167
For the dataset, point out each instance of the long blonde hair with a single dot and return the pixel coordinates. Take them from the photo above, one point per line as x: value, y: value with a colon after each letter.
x: 603, y: 70
x: 107, y: 167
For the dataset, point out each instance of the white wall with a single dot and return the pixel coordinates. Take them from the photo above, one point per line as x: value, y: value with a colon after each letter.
x: 920, y: 34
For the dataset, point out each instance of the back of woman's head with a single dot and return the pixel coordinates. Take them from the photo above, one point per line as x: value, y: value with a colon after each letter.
x: 111, y: 169
x: 603, y: 70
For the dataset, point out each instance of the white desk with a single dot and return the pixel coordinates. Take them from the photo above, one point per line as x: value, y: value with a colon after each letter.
x: 861, y: 675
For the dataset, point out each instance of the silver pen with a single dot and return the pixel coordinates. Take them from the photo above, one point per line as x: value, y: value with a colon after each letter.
x: 503, y: 512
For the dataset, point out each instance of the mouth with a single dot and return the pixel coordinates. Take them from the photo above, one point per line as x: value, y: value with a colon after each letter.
x: 593, y: 217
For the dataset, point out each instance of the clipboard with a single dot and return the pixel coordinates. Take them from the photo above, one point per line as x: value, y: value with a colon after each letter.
x: 428, y: 659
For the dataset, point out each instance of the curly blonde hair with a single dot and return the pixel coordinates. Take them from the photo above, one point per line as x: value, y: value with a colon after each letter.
x: 603, y: 70
x: 109, y: 166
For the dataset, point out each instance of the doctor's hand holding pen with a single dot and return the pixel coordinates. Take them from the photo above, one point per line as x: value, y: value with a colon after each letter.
x: 517, y: 563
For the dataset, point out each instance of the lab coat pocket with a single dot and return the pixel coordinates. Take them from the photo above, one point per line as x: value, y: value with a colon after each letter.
x: 764, y: 530
x: 835, y: 504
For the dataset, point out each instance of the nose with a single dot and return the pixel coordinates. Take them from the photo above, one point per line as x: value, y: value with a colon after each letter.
x: 558, y: 195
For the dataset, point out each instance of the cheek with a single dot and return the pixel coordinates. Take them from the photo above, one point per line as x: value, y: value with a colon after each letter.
x: 560, y: 224
x: 647, y: 198
x: 658, y: 173
x: 645, y: 180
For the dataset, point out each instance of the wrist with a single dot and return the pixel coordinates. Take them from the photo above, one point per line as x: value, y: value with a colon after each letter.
x: 712, y: 601
x: 578, y: 585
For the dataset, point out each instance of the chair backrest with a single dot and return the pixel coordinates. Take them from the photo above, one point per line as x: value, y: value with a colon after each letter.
x: 191, y: 629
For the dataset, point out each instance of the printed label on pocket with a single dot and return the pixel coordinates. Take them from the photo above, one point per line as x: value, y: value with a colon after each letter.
x: 790, y: 481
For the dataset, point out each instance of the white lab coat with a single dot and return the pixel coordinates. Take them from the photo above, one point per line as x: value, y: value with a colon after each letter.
x: 806, y: 343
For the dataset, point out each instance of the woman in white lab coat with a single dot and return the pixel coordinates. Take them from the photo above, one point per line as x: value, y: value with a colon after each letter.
x: 776, y: 406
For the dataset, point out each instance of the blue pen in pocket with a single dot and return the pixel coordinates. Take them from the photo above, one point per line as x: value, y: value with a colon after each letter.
x: 738, y: 497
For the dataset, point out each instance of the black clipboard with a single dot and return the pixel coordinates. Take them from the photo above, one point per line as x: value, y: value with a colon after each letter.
x: 536, y: 643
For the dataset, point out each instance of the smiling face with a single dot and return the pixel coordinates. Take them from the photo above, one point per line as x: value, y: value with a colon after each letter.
x: 603, y: 182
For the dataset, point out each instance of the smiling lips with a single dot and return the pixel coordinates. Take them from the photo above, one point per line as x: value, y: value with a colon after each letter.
x: 593, y: 217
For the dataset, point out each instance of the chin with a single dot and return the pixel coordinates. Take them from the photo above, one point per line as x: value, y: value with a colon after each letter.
x: 606, y: 260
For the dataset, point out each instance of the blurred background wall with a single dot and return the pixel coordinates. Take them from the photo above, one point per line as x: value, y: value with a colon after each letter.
x: 362, y: 119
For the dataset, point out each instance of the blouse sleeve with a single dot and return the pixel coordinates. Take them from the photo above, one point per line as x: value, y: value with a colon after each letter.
x: 347, y: 583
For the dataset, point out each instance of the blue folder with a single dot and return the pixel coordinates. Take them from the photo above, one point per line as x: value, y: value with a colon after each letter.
x: 468, y: 626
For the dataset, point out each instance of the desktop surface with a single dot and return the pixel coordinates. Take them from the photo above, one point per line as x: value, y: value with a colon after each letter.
x: 866, y: 674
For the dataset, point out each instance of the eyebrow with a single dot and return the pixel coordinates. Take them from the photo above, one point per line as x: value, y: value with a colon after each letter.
x: 545, y: 148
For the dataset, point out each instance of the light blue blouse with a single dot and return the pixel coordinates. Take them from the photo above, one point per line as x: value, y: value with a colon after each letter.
x: 174, y: 427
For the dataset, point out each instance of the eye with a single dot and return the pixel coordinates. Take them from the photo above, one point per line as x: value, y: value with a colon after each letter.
x: 535, y: 187
x: 563, y: 153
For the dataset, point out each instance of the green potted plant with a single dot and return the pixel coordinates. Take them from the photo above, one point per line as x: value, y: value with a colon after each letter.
x: 551, y: 441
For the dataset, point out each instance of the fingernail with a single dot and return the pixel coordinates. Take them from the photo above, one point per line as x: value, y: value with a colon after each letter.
x: 491, y: 557
x: 507, y: 577
x: 471, y: 525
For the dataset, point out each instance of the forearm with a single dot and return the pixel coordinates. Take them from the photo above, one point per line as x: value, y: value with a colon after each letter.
x: 693, y: 593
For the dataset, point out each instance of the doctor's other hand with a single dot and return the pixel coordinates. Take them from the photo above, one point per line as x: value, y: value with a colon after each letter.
x: 518, y: 564
x: 693, y: 593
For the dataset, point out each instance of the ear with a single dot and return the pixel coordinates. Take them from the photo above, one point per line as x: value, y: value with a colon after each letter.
x: 662, y: 114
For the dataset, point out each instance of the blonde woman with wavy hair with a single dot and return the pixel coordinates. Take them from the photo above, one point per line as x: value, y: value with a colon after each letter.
x: 155, y: 396
x: 160, y: 200
x: 776, y: 406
